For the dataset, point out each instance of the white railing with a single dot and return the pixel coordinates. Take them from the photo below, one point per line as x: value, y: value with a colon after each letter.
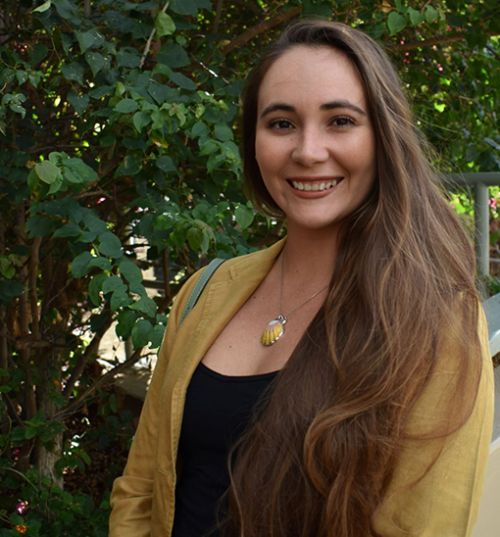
x: 479, y: 183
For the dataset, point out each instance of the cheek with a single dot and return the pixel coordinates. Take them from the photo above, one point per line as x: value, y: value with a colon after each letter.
x: 366, y: 156
x: 265, y: 155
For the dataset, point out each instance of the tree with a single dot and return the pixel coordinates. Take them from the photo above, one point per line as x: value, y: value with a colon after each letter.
x: 118, y: 122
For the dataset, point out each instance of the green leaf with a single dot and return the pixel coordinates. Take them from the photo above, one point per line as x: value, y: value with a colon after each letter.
x: 131, y: 165
x: 76, y: 171
x: 21, y: 77
x: 199, y: 130
x: 126, y: 106
x: 128, y: 57
x: 223, y: 133
x: 244, y: 216
x: 43, y: 7
x: 68, y: 230
x: 7, y: 269
x: 165, y: 164
x: 141, y: 333
x: 141, y: 120
x: 113, y: 284
x: 208, y: 147
x: 67, y: 10
x: 416, y: 17
x: 195, y: 238
x: 101, y: 91
x: 431, y: 14
x: 96, y: 61
x: 173, y: 55
x: 30, y: 432
x: 130, y: 271
x: 125, y: 322
x: 57, y: 158
x: 80, y: 265
x: 317, y: 8
x: 119, y: 299
x: 38, y: 53
x: 78, y: 102
x: 183, y: 81
x: 395, y: 22
x: 40, y: 226
x: 156, y: 335
x: 18, y: 109
x: 89, y: 39
x: 145, y: 305
x: 73, y: 71
x: 110, y: 245
x: 164, y: 24
x: 137, y: 288
x: 94, y: 223
x: 48, y: 172
x: 159, y: 92
x: 189, y: 7
x: 56, y: 186
x: 100, y: 262
x: 199, y: 236
x: 95, y: 288
x: 35, y: 77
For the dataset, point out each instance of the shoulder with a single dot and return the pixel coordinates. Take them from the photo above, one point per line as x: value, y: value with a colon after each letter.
x: 244, y: 268
x: 255, y: 263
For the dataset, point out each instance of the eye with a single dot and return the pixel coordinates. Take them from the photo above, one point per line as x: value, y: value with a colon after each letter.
x: 342, y: 121
x: 280, y: 124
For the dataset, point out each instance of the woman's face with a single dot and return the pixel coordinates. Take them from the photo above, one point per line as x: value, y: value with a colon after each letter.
x: 314, y: 143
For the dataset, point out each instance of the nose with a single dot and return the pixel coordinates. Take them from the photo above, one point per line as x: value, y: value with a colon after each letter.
x: 310, y: 147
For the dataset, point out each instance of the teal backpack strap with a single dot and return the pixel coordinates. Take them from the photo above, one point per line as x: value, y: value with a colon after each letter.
x: 200, y: 285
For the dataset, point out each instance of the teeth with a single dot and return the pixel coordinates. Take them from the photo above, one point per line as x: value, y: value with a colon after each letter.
x: 314, y: 187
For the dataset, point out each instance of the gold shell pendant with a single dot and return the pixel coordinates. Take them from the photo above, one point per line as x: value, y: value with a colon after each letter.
x: 273, y: 331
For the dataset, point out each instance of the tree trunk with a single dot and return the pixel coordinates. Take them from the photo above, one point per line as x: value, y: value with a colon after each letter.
x: 47, y: 457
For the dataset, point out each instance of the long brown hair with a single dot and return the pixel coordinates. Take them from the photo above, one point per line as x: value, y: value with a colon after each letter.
x: 320, y: 455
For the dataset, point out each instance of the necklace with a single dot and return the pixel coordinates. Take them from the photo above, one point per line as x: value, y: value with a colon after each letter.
x: 275, y: 328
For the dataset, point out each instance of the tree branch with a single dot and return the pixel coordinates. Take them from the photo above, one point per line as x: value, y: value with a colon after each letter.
x: 4, y: 348
x: 264, y: 26
x: 218, y: 14
x: 24, y: 323
x: 11, y: 409
x: 91, y: 349
x: 33, y: 277
x: 150, y: 38
x: 165, y: 262
x: 438, y: 40
x: 87, y: 8
x: 101, y: 381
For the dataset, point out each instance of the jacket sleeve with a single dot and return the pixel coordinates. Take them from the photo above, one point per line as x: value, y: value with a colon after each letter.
x: 445, y: 502
x: 131, y: 497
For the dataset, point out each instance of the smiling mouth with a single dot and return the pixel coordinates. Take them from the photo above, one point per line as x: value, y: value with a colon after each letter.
x: 316, y: 186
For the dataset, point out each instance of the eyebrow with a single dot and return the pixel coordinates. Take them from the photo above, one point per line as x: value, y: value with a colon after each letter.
x: 326, y: 106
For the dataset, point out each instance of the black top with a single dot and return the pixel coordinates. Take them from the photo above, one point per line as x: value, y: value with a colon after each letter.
x: 218, y: 408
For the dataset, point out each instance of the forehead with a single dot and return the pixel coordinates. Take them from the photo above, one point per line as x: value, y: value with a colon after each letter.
x: 311, y: 75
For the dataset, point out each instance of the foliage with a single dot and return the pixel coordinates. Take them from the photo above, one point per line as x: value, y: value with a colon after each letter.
x: 118, y: 155
x: 49, y: 510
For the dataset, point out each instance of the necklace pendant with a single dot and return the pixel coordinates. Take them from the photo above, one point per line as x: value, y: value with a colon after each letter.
x: 273, y: 331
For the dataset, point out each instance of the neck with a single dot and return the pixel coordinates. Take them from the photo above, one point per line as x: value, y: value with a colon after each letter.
x: 309, y: 258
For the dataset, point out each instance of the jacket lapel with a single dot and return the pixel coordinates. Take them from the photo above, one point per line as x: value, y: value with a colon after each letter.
x: 229, y: 288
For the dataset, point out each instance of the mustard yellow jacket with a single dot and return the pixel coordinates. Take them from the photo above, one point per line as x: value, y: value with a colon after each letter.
x: 443, y: 504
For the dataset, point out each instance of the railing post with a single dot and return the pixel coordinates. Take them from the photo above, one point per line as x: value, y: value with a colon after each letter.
x: 481, y: 221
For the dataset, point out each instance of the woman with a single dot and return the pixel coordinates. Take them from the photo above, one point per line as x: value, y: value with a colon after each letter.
x: 342, y: 374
